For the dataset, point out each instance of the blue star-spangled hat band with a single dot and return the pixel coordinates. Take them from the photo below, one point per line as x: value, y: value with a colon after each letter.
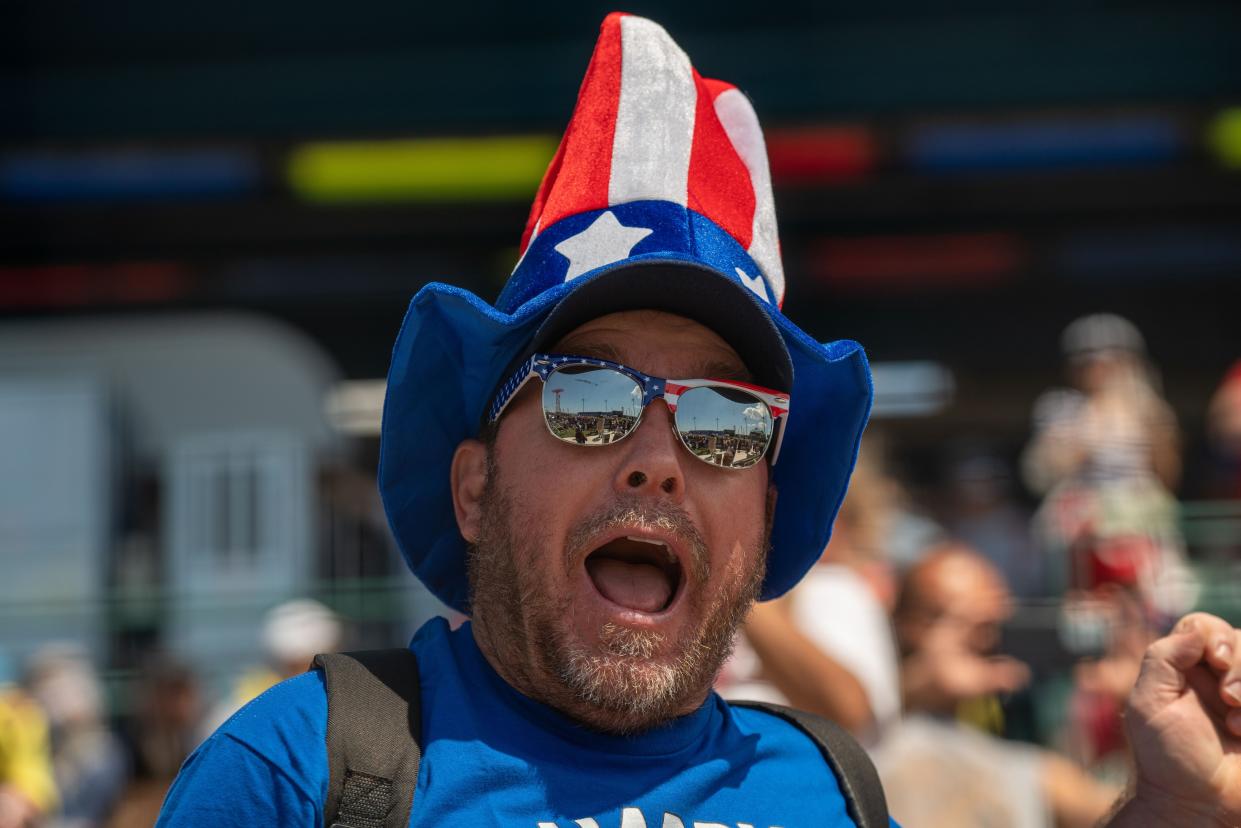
x: 631, y: 232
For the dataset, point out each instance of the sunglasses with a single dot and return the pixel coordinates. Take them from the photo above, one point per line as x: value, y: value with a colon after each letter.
x: 593, y: 402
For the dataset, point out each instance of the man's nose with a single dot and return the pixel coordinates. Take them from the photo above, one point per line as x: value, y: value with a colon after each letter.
x: 653, y: 457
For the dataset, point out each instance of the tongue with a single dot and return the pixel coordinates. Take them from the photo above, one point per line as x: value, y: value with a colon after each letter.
x: 636, y: 586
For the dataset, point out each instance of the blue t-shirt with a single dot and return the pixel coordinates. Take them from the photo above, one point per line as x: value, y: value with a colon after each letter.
x: 493, y: 757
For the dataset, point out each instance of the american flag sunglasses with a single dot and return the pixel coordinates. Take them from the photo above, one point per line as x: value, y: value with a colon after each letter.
x: 593, y: 402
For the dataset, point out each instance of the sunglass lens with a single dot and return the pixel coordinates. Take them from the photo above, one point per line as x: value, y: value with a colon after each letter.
x: 591, y: 406
x: 724, y: 426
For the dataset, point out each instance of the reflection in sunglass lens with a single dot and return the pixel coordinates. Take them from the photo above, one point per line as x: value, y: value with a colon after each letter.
x: 724, y: 426
x: 591, y: 406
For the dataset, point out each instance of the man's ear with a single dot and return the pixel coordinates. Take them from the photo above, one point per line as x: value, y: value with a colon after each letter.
x: 468, y: 480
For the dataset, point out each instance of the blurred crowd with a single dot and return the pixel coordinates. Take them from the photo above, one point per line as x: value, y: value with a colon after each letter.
x: 983, y: 650
x: 906, y: 631
x: 65, y: 762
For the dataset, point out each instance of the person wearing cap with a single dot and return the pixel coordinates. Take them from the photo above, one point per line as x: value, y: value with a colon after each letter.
x: 604, y: 581
x: 1219, y: 468
x: 293, y: 633
x: 1106, y: 455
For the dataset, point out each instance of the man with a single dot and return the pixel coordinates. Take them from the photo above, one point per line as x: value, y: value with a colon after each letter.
x: 605, y: 581
x: 938, y: 770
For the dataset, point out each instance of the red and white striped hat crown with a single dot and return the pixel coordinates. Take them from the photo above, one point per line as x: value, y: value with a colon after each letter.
x: 648, y: 128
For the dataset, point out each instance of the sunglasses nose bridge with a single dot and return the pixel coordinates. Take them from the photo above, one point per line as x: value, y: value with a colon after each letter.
x: 653, y: 389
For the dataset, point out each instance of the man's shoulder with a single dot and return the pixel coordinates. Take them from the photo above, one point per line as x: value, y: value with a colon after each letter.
x: 295, y: 708
x: 271, y: 758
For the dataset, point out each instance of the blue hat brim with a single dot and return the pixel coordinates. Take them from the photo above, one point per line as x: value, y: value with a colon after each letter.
x: 453, y: 350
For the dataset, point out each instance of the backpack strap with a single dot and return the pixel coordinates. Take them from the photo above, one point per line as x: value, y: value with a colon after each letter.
x: 855, y: 773
x: 372, y: 764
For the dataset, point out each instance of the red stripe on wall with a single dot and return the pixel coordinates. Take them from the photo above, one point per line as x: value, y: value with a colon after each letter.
x: 84, y: 285
x: 914, y: 262
x: 816, y: 154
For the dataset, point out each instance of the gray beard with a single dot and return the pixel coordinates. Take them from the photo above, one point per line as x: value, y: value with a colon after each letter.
x: 614, y: 687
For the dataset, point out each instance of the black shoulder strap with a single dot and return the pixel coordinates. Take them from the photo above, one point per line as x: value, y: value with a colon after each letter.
x: 855, y: 773
x: 373, y: 764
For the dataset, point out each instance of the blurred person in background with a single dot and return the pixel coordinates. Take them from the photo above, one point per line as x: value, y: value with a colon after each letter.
x: 27, y: 784
x: 909, y: 529
x: 938, y: 771
x: 169, y: 712
x: 163, y: 730
x: 1106, y: 455
x: 948, y: 619
x: 1095, y: 734
x: 827, y: 645
x: 293, y: 633
x: 982, y: 513
x: 1219, y: 476
x: 88, y: 759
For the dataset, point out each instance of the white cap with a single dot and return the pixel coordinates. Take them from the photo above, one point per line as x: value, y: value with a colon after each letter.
x: 297, y: 630
x: 1101, y: 332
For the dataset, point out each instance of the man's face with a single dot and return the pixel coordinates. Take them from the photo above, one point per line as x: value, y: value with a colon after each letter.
x: 960, y: 591
x: 608, y: 580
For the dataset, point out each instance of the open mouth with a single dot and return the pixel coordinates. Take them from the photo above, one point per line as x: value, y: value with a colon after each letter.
x: 640, y: 574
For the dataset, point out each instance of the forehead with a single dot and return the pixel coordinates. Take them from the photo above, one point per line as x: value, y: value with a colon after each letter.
x: 972, y: 585
x: 657, y: 343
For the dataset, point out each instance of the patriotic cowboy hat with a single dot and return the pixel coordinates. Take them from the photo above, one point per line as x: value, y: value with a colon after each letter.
x: 658, y: 197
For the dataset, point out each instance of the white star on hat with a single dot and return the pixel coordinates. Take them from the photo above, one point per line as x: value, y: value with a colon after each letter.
x: 754, y: 283
x: 605, y: 241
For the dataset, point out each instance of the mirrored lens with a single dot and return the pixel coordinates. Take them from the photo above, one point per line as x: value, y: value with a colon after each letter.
x: 591, y: 406
x: 724, y: 426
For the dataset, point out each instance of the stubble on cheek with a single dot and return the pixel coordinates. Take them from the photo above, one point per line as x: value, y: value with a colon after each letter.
x: 504, y: 595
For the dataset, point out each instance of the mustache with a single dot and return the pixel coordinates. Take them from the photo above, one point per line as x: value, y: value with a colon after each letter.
x: 634, y: 512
